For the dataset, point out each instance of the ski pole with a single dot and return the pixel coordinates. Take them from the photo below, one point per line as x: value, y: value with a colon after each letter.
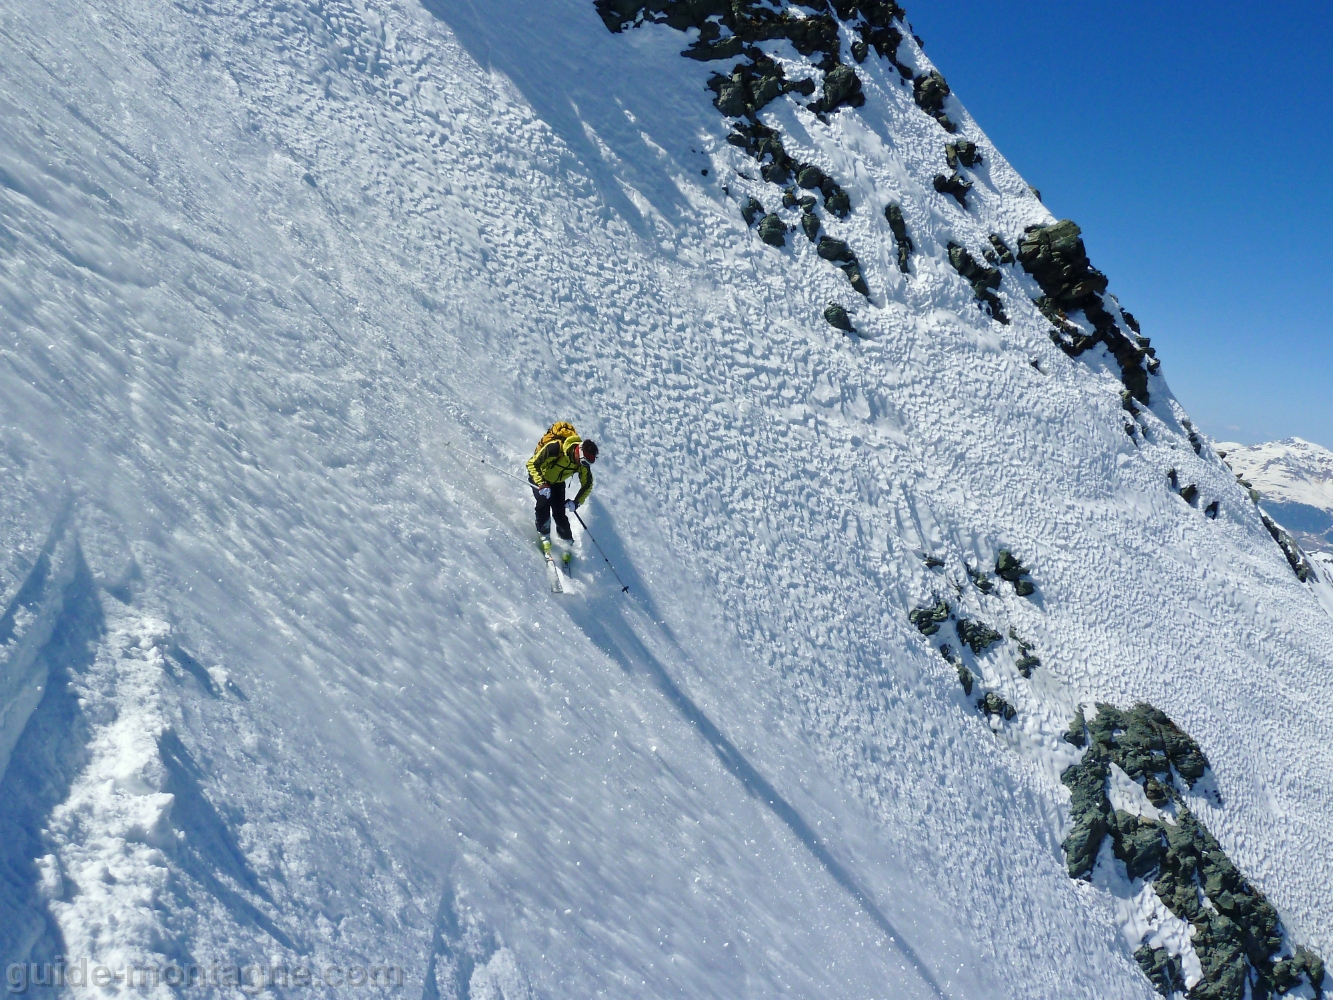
x: 493, y: 468
x: 623, y: 589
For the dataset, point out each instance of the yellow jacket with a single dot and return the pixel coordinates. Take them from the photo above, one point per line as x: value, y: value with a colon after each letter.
x: 554, y: 463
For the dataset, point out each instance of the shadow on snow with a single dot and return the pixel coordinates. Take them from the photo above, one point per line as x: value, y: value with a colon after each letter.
x: 603, y: 618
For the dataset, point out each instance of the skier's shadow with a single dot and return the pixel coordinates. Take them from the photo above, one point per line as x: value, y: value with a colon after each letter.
x: 643, y: 130
x: 609, y: 626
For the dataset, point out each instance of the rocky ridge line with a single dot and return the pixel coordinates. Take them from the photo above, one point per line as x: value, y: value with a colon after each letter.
x: 732, y: 29
x: 1296, y: 558
x: 1055, y: 256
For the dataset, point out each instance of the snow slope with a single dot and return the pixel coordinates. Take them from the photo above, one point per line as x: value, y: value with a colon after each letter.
x: 282, y: 679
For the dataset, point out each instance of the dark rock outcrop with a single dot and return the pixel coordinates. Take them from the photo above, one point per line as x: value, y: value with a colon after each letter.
x: 928, y: 620
x: 877, y: 31
x: 1287, y: 974
x: 1091, y: 810
x: 994, y: 705
x: 858, y: 282
x: 1139, y: 843
x: 773, y: 231
x: 954, y: 186
x: 1196, y: 442
x: 1144, y: 741
x: 1008, y: 567
x: 1238, y: 935
x: 733, y: 29
x: 838, y: 252
x: 977, y: 635
x: 750, y: 86
x: 811, y: 178
x: 1077, y: 733
x: 1162, y: 970
x: 898, y: 226
x: 984, y: 280
x: 1003, y: 255
x: 834, y: 250
x: 964, y: 675
x: 728, y: 27
x: 841, y: 86
x: 930, y: 92
x: 836, y: 316
x: 963, y: 152
x: 1055, y: 256
x: 1300, y: 565
x: 765, y: 145
x: 965, y: 678
x: 1026, y: 662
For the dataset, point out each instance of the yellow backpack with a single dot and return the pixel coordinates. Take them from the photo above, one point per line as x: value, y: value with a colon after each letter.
x: 560, y: 431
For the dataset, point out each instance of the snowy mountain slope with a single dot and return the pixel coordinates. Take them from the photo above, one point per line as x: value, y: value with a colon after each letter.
x: 1296, y: 479
x: 270, y: 276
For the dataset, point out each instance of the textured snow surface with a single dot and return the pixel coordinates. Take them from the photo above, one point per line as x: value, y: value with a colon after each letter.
x: 292, y: 685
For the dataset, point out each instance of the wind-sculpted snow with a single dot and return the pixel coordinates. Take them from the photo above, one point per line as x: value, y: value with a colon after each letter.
x: 310, y: 701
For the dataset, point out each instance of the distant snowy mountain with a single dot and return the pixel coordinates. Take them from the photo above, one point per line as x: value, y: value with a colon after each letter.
x: 1295, y: 479
x: 920, y: 645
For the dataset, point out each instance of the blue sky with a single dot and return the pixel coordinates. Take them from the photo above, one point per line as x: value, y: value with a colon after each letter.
x: 1193, y: 143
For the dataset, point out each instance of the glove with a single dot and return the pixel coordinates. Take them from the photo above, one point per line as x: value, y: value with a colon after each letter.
x: 544, y: 493
x: 571, y: 506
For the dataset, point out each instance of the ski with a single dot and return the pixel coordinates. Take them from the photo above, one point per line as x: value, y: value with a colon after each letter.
x: 553, y: 576
x: 552, y: 570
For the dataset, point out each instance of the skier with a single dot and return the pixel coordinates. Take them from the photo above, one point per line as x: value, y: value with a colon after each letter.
x: 559, y: 455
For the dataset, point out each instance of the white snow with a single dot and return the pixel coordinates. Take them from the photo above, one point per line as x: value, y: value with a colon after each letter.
x: 1293, y: 470
x: 107, y: 874
x: 310, y: 700
x: 1143, y: 918
x: 1127, y: 794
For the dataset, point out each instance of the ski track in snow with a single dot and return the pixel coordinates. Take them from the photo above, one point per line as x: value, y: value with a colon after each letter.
x: 309, y: 697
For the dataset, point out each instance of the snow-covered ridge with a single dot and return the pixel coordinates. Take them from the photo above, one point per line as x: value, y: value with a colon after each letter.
x: 1295, y: 479
x: 311, y: 699
x: 1293, y: 470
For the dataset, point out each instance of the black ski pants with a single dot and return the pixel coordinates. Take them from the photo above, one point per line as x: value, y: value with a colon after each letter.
x: 554, y: 506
